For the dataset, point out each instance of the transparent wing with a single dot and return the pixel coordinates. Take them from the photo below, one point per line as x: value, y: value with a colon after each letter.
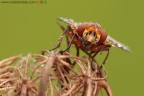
x: 69, y: 22
x: 113, y: 42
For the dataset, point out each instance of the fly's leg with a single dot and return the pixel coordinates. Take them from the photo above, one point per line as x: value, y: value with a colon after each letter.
x: 67, y: 41
x: 94, y: 67
x: 77, y: 54
x: 60, y: 40
x: 98, y: 50
x: 77, y: 51
x: 102, y: 48
x: 102, y: 65
x: 105, y: 48
x: 93, y: 60
x: 70, y: 43
x: 105, y: 59
x: 61, y: 36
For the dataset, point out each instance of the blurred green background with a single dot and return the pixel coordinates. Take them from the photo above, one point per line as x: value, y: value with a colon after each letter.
x: 30, y: 28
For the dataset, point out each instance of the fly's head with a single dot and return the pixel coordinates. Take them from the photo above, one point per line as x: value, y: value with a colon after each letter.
x: 91, y: 36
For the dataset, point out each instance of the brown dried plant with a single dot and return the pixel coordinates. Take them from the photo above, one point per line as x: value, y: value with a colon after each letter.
x: 52, y: 74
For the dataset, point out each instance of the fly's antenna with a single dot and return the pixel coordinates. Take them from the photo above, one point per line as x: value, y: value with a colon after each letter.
x: 114, y: 42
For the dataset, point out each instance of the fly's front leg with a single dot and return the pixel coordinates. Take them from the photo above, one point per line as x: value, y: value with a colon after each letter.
x: 70, y: 43
x: 60, y: 40
x: 67, y: 41
x: 62, y: 28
